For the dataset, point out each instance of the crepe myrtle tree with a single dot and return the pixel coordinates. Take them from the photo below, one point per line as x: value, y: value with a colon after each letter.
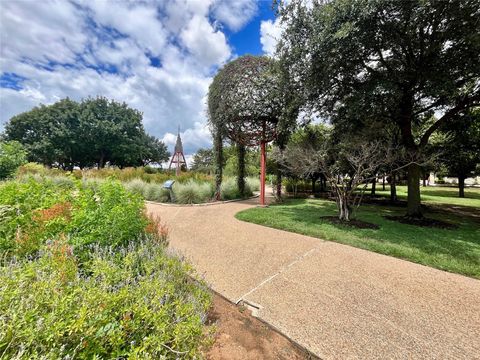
x: 348, y: 168
x: 393, y: 61
x: 245, y: 105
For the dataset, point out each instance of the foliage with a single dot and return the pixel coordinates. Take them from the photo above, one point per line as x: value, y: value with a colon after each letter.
x: 37, y: 211
x: 12, y: 155
x: 126, y: 174
x: 135, y: 302
x: 203, y: 161
x: 230, y: 190
x: 149, y: 191
x: 91, y: 276
x: 244, y: 100
x: 92, y: 132
x: 393, y: 62
x: 246, y: 105
x: 253, y: 183
x: 193, y: 192
x: 451, y: 250
x: 460, y: 147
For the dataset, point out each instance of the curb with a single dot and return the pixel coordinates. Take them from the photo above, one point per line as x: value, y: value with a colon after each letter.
x: 308, y: 353
x: 202, y: 204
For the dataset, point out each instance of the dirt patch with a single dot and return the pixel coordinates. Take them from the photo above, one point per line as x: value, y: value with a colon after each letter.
x: 425, y: 222
x: 359, y: 224
x: 241, y: 336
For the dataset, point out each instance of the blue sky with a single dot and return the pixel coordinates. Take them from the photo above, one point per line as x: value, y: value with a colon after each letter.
x: 159, y: 56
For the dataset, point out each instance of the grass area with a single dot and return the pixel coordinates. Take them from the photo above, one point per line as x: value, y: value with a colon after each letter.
x: 438, y: 195
x: 451, y: 250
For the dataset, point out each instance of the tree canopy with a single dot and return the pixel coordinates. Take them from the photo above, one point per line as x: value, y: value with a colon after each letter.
x: 459, y: 147
x: 395, y: 62
x: 94, y: 132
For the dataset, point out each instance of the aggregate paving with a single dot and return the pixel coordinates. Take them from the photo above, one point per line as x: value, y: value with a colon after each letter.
x: 337, y: 301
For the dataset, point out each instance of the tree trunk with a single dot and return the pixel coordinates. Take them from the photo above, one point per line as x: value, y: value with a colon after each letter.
x: 374, y: 186
x: 383, y: 182
x: 343, y: 207
x: 241, y: 169
x: 393, y: 188
x: 313, y: 185
x: 414, y: 205
x: 279, y: 184
x: 101, y: 161
x: 461, y: 186
x: 218, y: 146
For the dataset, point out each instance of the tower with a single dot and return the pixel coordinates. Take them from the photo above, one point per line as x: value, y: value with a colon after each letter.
x: 178, y: 158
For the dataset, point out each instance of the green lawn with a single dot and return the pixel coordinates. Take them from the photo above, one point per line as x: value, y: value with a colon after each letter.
x: 439, y: 195
x: 451, y: 250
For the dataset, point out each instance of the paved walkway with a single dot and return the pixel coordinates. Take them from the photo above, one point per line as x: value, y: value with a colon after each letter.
x: 338, y: 301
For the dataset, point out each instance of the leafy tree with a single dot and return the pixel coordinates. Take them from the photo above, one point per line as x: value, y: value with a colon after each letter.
x: 95, y: 131
x: 12, y: 155
x: 460, y: 147
x: 155, y: 151
x: 203, y: 161
x: 396, y: 62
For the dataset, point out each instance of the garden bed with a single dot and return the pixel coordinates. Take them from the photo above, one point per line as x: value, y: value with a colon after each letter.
x: 354, y: 223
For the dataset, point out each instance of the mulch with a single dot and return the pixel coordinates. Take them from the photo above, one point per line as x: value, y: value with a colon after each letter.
x: 424, y: 222
x: 359, y: 224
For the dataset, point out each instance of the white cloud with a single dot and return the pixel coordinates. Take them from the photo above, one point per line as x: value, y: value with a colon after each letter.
x: 83, y: 48
x: 270, y: 33
x: 207, y: 45
x: 235, y: 13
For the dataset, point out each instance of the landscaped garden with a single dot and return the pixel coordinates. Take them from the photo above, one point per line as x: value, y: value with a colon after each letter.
x: 189, y: 188
x: 356, y: 92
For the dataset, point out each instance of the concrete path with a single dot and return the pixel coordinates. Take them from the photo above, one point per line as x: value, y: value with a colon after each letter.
x: 338, y: 301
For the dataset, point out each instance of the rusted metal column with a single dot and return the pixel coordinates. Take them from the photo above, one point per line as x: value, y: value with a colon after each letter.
x: 263, y: 164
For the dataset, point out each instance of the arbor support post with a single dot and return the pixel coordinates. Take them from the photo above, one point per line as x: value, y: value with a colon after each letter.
x: 263, y: 164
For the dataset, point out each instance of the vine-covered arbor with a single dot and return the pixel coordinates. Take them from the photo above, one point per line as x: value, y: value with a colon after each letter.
x: 245, y: 105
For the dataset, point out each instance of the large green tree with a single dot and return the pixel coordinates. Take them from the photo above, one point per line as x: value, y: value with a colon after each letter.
x: 94, y: 132
x: 392, y: 61
x: 459, y: 147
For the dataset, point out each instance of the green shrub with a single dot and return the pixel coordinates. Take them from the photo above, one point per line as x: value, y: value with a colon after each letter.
x: 137, y: 302
x: 253, y: 183
x: 12, y: 156
x: 229, y: 189
x: 156, y: 192
x: 99, y: 283
x: 105, y: 213
x: 136, y: 186
x: 109, y: 215
x: 193, y: 192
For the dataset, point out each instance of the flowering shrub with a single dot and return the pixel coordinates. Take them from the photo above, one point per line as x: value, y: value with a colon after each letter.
x: 137, y: 302
x: 87, y: 275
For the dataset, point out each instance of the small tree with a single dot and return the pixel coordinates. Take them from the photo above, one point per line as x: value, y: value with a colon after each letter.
x: 347, y: 167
